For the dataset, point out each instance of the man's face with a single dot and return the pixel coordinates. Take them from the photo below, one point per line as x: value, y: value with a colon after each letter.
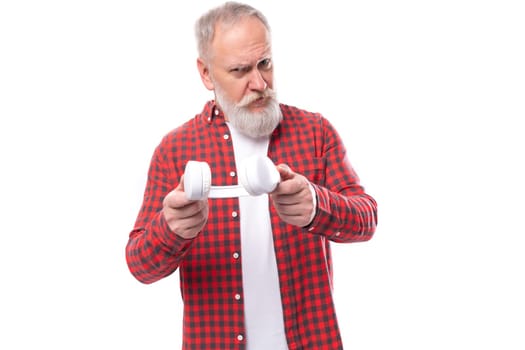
x: 240, y: 71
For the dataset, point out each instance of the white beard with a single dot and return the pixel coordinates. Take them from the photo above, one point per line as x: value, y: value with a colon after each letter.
x: 253, y: 124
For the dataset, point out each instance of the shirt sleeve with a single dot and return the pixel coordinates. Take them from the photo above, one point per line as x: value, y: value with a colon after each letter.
x: 153, y: 251
x: 345, y: 212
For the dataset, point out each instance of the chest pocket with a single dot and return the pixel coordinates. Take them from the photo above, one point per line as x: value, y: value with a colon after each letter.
x: 313, y: 168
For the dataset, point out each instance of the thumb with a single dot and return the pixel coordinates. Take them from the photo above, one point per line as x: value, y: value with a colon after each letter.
x: 285, y: 171
x: 180, y: 186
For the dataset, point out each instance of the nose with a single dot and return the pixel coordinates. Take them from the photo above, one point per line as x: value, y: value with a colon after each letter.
x: 257, y: 81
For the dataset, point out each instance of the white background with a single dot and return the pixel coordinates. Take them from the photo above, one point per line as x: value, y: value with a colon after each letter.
x: 427, y: 95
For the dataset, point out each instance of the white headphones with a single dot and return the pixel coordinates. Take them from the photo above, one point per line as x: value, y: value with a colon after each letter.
x: 257, y: 175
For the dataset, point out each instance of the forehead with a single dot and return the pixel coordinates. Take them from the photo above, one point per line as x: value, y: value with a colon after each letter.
x: 242, y: 42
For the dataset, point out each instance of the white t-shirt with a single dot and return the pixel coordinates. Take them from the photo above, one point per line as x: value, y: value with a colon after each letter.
x: 262, y: 298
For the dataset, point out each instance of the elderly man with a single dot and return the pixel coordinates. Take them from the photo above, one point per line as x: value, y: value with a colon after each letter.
x: 255, y: 271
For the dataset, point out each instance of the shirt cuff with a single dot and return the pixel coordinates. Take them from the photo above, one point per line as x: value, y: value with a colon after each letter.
x: 314, y: 202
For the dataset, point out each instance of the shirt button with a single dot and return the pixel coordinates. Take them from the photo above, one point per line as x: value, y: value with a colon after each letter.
x: 236, y: 255
x: 226, y: 136
x: 338, y: 234
x: 216, y: 112
x: 234, y: 214
x: 240, y: 337
x: 237, y: 297
x: 232, y: 173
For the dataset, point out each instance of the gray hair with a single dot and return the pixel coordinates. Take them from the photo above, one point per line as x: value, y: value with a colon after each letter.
x: 229, y: 13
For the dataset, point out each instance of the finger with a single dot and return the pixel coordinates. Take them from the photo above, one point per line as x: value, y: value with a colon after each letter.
x: 286, y: 199
x: 181, y: 208
x: 285, y: 171
x: 177, y: 199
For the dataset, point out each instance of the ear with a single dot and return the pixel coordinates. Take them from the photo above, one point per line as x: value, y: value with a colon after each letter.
x: 205, y: 74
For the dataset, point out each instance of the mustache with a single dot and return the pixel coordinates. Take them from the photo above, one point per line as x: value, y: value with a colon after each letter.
x: 267, y: 93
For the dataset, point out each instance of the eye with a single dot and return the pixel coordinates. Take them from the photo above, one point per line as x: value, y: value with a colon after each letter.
x: 239, y: 71
x: 265, y: 64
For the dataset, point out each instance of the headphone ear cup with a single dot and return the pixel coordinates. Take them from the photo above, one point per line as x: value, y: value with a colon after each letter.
x: 197, y: 180
x: 259, y: 175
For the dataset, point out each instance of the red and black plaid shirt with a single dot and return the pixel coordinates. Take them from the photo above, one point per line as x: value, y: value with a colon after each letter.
x: 210, y: 264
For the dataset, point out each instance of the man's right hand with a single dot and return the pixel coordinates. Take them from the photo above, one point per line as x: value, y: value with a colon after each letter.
x: 185, y: 217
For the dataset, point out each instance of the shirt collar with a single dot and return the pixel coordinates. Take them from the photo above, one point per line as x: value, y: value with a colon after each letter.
x: 212, y: 112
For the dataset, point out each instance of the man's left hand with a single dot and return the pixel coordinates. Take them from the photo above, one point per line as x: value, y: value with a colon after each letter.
x: 293, y: 198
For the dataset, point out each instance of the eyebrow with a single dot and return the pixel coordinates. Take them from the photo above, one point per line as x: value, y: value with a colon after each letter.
x: 245, y: 65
